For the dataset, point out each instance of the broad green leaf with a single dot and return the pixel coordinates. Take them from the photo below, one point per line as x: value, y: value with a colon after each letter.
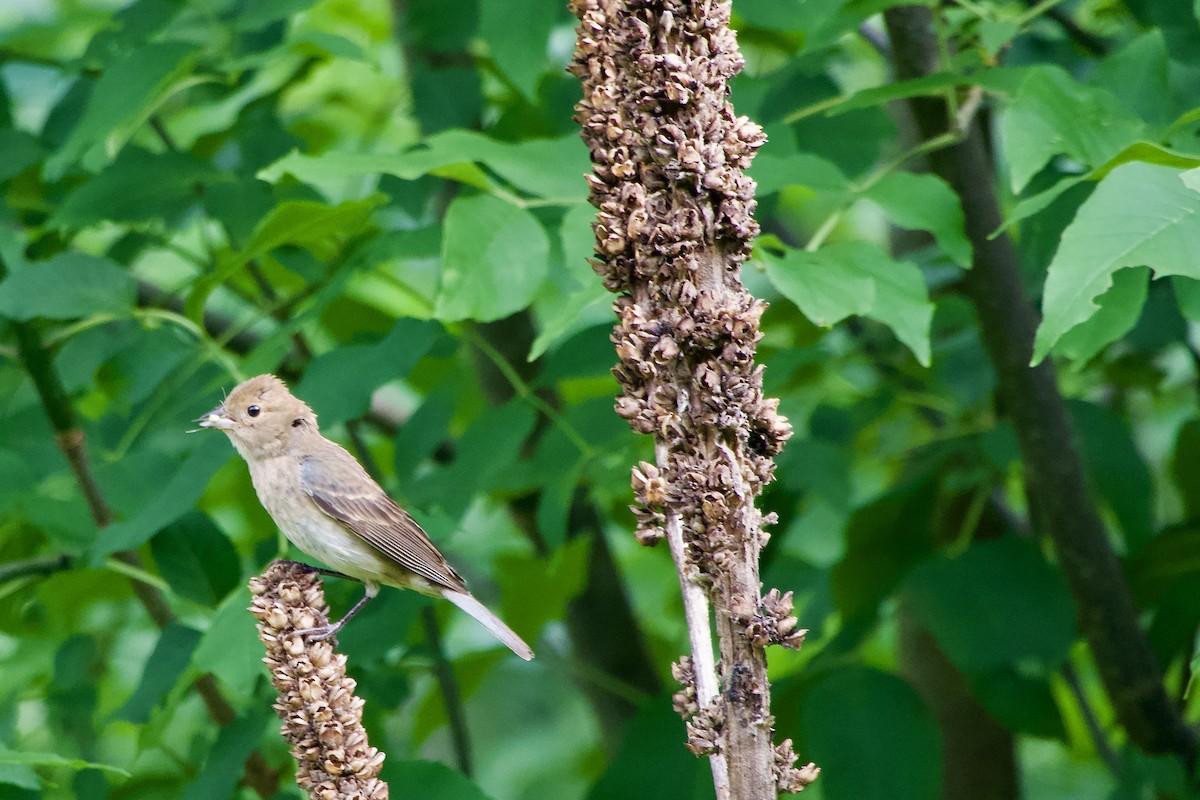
x: 884, y: 541
x: 517, y: 35
x: 537, y: 590
x: 1147, y: 152
x: 927, y: 203
x: 588, y: 303
x: 126, y: 94
x: 20, y: 775
x: 1020, y: 702
x: 429, y: 780
x: 68, y: 286
x: 338, y: 385
x: 825, y: 287
x: 773, y: 173
x: 1140, y: 215
x: 225, y: 764
x: 857, y: 278
x: 255, y: 16
x: 1139, y: 76
x: 1184, y: 459
x: 230, y: 648
x: 650, y: 764
x: 996, y: 604
x: 320, y: 229
x: 1119, y: 309
x: 137, y: 186
x: 33, y: 759
x: 1118, y: 472
x: 899, y: 760
x: 21, y: 151
x: 550, y: 168
x: 178, y: 495
x: 196, y: 558
x: 1052, y: 114
x: 170, y: 658
x: 488, y: 448
x: 494, y: 257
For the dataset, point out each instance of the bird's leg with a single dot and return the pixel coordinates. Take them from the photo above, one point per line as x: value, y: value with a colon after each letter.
x: 322, y: 632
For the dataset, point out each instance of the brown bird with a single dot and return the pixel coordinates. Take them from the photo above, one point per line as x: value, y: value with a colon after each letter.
x: 328, y: 506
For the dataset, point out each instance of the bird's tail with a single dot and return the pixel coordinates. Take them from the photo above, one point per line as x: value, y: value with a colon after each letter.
x: 490, y: 621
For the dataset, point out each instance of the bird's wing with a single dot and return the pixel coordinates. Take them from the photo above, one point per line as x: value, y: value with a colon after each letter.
x: 341, y: 488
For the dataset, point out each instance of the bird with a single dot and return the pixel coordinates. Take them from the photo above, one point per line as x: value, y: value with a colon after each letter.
x: 327, y: 505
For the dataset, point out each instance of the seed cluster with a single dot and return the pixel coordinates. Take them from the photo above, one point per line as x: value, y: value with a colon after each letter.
x: 674, y: 224
x: 322, y: 717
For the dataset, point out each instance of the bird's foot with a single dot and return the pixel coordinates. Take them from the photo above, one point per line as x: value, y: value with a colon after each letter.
x: 319, y: 633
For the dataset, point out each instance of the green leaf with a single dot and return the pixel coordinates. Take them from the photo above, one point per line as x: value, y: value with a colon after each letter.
x: 858, y: 278
x: 825, y: 287
x: 1000, y: 80
x: 33, y: 759
x: 1117, y: 470
x: 927, y: 203
x: 1147, y: 152
x: 494, y: 257
x: 225, y: 764
x: 68, y: 286
x: 321, y: 229
x: 429, y: 780
x: 177, y: 496
x: 588, y: 303
x: 196, y: 559
x: 170, y: 658
x: 488, y: 448
x: 1140, y: 215
x: 339, y: 384
x: 137, y: 187
x: 1119, y: 307
x: 651, y: 764
x: 124, y: 97
x: 1184, y: 458
x: 550, y: 168
x: 230, y: 648
x: 899, y: 760
x: 1052, y: 114
x: 773, y: 173
x: 21, y: 151
x: 537, y: 590
x: 996, y: 604
x: 517, y: 34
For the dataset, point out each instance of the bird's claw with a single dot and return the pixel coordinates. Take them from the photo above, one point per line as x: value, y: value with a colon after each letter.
x: 317, y: 634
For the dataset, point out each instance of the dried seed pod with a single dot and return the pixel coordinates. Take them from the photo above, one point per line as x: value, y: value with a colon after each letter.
x: 322, y: 718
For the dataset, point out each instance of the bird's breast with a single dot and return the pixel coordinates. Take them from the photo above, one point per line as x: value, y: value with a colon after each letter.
x: 277, y: 482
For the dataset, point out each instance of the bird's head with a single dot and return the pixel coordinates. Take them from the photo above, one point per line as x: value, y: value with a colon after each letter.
x: 261, y: 417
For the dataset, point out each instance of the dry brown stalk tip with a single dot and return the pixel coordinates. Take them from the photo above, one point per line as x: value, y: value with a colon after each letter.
x: 322, y: 717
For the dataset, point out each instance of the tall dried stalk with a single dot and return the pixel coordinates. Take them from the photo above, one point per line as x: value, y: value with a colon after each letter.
x: 674, y: 225
x: 322, y: 717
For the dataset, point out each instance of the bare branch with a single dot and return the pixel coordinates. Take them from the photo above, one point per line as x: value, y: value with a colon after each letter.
x: 674, y: 226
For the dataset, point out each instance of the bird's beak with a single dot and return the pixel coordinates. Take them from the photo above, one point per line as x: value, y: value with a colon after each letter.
x: 216, y: 419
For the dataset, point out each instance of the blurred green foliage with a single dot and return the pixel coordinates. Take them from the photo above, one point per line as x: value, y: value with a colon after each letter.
x: 385, y: 205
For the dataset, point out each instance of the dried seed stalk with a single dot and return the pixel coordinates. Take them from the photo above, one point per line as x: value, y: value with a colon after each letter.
x: 322, y: 717
x: 674, y: 225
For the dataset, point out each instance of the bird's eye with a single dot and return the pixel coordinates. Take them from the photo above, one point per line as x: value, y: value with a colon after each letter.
x: 254, y: 411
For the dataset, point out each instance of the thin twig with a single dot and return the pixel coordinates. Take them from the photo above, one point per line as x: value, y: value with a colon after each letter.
x: 443, y: 671
x: 698, y: 617
x: 1099, y: 740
